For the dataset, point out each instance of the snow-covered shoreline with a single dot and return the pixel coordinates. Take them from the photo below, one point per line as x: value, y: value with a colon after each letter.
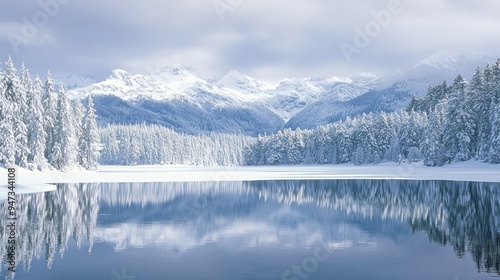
x: 464, y: 171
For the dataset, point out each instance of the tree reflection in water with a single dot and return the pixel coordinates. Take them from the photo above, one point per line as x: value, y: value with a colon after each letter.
x: 462, y: 214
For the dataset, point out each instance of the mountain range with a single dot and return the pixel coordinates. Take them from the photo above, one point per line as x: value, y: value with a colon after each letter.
x: 180, y: 98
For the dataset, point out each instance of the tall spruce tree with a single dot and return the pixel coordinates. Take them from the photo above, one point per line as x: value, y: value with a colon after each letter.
x: 459, y: 125
x: 65, y: 150
x: 494, y: 113
x: 10, y: 116
x: 36, y: 132
x: 431, y: 146
x: 7, y: 140
x: 21, y: 131
x: 89, y: 144
x: 49, y: 101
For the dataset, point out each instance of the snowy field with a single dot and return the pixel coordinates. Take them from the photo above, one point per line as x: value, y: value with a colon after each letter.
x: 35, y: 181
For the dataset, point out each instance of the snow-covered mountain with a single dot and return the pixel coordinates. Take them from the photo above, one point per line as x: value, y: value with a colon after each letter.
x: 293, y: 95
x: 243, y: 84
x: 391, y: 92
x: 176, y: 97
x: 179, y: 97
x: 438, y: 67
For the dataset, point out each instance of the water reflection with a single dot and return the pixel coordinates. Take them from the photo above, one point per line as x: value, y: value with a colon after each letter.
x: 180, y: 217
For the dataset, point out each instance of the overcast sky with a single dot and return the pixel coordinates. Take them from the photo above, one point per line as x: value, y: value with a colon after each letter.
x: 267, y: 39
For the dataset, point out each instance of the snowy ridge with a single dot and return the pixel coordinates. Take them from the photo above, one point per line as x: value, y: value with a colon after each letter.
x: 242, y: 83
x: 74, y: 81
x: 299, y: 102
x: 183, y: 83
x: 390, y: 92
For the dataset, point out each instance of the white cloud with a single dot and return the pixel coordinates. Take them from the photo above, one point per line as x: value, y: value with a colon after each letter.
x: 296, y: 37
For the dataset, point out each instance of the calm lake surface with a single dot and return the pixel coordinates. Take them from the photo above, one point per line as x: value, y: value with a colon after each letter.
x: 347, y: 229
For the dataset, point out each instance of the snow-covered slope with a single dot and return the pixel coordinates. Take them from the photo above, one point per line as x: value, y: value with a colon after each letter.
x: 178, y: 97
x: 441, y: 66
x: 293, y: 95
x: 243, y: 85
x: 391, y: 92
x: 73, y: 81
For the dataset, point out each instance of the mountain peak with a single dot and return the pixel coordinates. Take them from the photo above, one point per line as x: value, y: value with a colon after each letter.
x: 119, y: 74
x: 177, y: 73
x: 240, y: 82
x: 443, y: 59
x: 175, y: 70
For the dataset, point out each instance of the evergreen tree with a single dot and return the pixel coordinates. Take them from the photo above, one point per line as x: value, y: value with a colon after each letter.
x: 78, y: 123
x: 49, y: 101
x: 9, y: 114
x: 7, y: 140
x: 494, y: 113
x: 459, y: 124
x: 494, y: 154
x: 89, y: 144
x: 21, y: 130
x: 431, y: 146
x: 64, y: 151
x: 36, y: 132
x: 477, y: 105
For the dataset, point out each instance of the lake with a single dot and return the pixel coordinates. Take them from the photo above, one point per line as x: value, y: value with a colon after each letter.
x: 314, y: 229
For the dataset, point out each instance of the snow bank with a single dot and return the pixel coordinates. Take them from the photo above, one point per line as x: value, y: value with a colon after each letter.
x: 25, y: 188
x: 31, y: 181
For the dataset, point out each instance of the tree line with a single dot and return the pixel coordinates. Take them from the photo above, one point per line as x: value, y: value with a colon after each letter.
x: 155, y: 144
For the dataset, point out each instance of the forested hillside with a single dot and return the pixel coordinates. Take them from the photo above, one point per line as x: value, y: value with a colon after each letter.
x: 450, y: 123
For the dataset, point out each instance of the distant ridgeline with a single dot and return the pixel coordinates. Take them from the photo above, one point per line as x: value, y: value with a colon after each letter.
x: 40, y: 128
x: 450, y: 123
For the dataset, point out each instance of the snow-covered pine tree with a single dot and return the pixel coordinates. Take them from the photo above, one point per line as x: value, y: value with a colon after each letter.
x: 11, y: 91
x: 65, y: 149
x: 36, y: 132
x: 459, y: 124
x: 494, y: 153
x: 411, y: 131
x: 344, y: 142
x: 78, y: 116
x: 49, y: 101
x: 431, y: 146
x: 21, y: 130
x: 7, y: 140
x: 478, y: 104
x: 467, y: 128
x: 89, y: 144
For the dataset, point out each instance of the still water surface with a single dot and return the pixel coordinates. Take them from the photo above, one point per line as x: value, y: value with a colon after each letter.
x: 347, y: 229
